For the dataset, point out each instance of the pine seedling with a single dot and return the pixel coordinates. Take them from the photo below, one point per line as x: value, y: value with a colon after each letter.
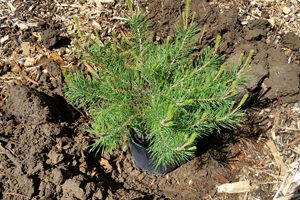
x: 157, y: 89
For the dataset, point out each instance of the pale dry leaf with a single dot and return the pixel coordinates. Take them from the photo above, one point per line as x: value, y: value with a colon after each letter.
x: 33, y: 24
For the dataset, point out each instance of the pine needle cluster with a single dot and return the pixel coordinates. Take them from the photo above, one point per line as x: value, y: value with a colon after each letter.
x: 157, y: 89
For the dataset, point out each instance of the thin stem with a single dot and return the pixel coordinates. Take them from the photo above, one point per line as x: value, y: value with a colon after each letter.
x: 196, y: 70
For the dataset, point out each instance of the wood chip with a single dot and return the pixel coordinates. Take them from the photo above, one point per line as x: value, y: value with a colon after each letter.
x: 277, y: 156
x: 29, y: 62
x: 83, y: 165
x: 25, y: 48
x: 30, y: 24
x: 22, y: 26
x: 96, y: 24
x: 16, y: 69
x: 286, y: 10
x: 12, y: 8
x: 107, y: 1
x: 4, y: 39
x: 237, y: 187
x: 272, y: 21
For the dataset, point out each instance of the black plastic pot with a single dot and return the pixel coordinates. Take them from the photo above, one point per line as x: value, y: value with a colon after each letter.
x: 138, y: 148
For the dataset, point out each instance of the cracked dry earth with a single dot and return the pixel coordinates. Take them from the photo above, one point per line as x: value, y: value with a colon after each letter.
x: 43, y: 146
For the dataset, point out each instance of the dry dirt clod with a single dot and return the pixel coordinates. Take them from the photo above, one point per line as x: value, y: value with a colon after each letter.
x: 11, y: 157
x: 291, y: 41
x: 55, y: 157
x: 71, y: 189
x: 26, y: 104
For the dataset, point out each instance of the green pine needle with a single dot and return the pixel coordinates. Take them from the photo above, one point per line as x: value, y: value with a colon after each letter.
x: 158, y: 89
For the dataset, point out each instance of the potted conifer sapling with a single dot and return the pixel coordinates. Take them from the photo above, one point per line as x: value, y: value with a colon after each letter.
x: 154, y: 96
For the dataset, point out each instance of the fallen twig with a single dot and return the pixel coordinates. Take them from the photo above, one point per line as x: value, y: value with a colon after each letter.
x: 10, y: 77
x: 294, y: 142
x: 285, y: 128
x: 30, y: 80
x: 11, y: 157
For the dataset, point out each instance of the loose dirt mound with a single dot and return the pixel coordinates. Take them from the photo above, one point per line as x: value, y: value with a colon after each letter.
x: 42, y: 154
x: 42, y: 158
x: 29, y: 105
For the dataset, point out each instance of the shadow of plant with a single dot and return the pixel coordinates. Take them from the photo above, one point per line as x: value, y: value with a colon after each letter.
x: 218, y: 145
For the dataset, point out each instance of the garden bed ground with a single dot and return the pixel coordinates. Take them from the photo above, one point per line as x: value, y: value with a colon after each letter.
x: 44, y: 148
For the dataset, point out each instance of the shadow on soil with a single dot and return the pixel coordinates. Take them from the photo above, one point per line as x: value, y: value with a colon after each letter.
x: 218, y: 145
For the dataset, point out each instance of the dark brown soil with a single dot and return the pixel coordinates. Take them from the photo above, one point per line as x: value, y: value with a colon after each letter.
x: 44, y: 158
x: 273, y: 78
x: 44, y: 148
